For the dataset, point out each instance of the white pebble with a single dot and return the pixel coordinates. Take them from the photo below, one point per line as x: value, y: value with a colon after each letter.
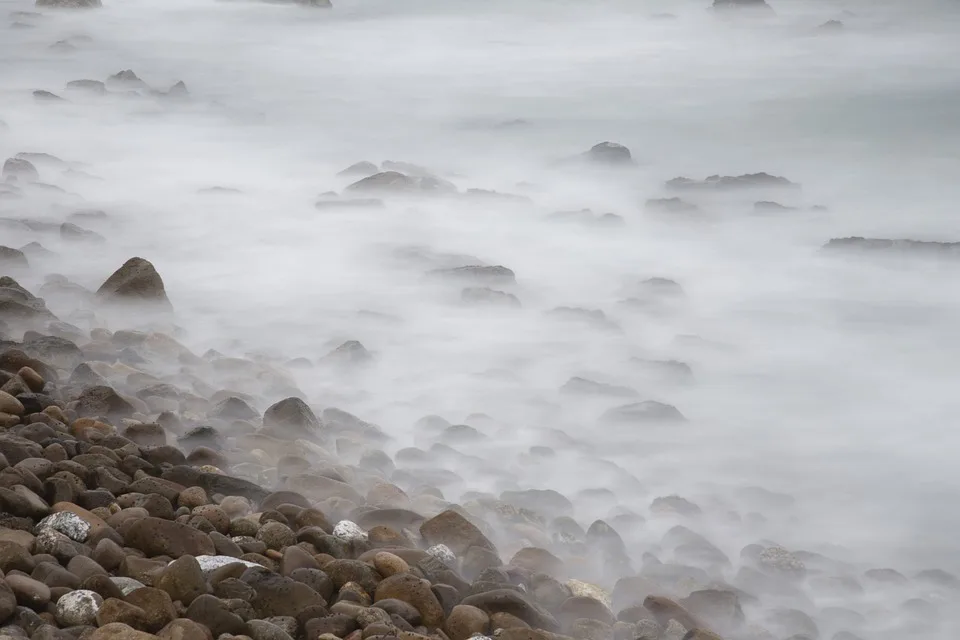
x: 67, y: 523
x: 443, y: 553
x: 349, y: 531
x: 127, y: 585
x: 78, y: 608
x: 209, y: 564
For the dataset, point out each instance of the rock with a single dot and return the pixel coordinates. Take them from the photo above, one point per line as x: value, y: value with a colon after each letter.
x: 67, y: 523
x: 720, y: 5
x: 157, y: 537
x: 664, y: 610
x: 278, y: 595
x: 514, y: 603
x: 363, y: 168
x: 210, y: 563
x: 780, y: 561
x: 610, y: 153
x: 8, y: 601
x: 78, y: 608
x: 29, y: 592
x: 119, y: 631
x: 41, y: 95
x: 394, y: 182
x: 746, y: 181
x: 491, y: 297
x: 184, y: 629
x: 832, y: 26
x: 408, y: 588
x: 583, y: 386
x: 103, y: 401
x: 894, y: 247
x: 215, y: 615
x: 183, y: 579
x: 453, y: 530
x: 292, y: 415
x: 643, y: 413
x: 19, y: 169
x: 70, y: 4
x: 70, y: 232
x: 496, y: 274
x: 276, y: 535
x: 136, y: 281
x: 92, y: 86
x: 466, y: 621
x: 156, y: 605
x: 11, y: 258
x: 349, y: 531
x: 718, y: 609
x: 263, y: 630
x: 10, y: 405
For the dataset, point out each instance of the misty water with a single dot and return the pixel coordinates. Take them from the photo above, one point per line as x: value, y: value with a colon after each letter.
x: 829, y: 378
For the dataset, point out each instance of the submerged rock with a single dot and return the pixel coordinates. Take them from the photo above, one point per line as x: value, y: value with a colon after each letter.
x: 19, y: 169
x: 646, y: 412
x: 759, y: 5
x: 895, y: 246
x: 718, y: 182
x: 70, y: 4
x: 609, y: 153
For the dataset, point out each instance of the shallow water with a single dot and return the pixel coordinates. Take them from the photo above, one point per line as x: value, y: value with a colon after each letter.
x: 829, y: 378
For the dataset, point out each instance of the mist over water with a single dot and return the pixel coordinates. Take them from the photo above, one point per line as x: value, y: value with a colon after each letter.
x: 830, y: 378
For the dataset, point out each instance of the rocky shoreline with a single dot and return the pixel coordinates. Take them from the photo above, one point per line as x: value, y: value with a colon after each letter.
x: 151, y: 490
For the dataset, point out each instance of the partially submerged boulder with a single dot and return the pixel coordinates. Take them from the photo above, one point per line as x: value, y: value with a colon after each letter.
x: 609, y: 153
x: 895, y: 246
x: 70, y: 4
x: 136, y: 281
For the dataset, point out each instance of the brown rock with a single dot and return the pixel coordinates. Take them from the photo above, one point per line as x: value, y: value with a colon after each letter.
x: 137, y: 280
x: 664, y: 610
x: 29, y: 592
x: 280, y: 596
x: 183, y: 580
x: 389, y: 564
x: 184, y: 629
x: 157, y: 606
x: 215, y: 615
x: 515, y: 603
x: 157, y: 537
x: 408, y: 588
x: 701, y: 634
x: 465, y: 621
x: 10, y: 405
x: 114, y: 610
x: 15, y: 557
x: 584, y: 607
x: 455, y: 531
x: 119, y: 631
x: 539, y: 561
x: 504, y: 620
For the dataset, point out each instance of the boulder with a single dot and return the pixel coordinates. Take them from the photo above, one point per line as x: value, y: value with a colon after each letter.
x: 294, y: 417
x: 136, y: 281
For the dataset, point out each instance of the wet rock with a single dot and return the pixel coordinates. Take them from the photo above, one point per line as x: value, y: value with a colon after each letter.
x: 514, y: 603
x: 643, y: 413
x: 91, y: 86
x: 493, y: 275
x: 12, y: 258
x: 69, y: 4
x: 453, y: 530
x: 103, y: 401
x: 609, y: 153
x: 362, y: 168
x: 718, y: 609
x: 394, y: 182
x: 183, y: 579
x: 19, y: 169
x: 70, y: 232
x: 278, y: 595
x: 157, y: 537
x: 741, y: 4
x: 583, y: 386
x: 409, y: 588
x: 746, y: 181
x: 293, y: 416
x: 42, y: 95
x: 491, y: 297
x: 831, y: 26
x: 215, y: 615
x: 664, y: 610
x: 669, y: 205
x: 78, y: 608
x: 136, y: 281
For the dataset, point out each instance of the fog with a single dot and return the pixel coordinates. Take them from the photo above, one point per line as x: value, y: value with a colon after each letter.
x: 830, y: 377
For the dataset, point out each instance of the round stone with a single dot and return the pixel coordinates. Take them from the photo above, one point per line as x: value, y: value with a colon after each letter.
x: 349, y: 531
x: 443, y: 553
x: 67, y: 523
x: 78, y: 608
